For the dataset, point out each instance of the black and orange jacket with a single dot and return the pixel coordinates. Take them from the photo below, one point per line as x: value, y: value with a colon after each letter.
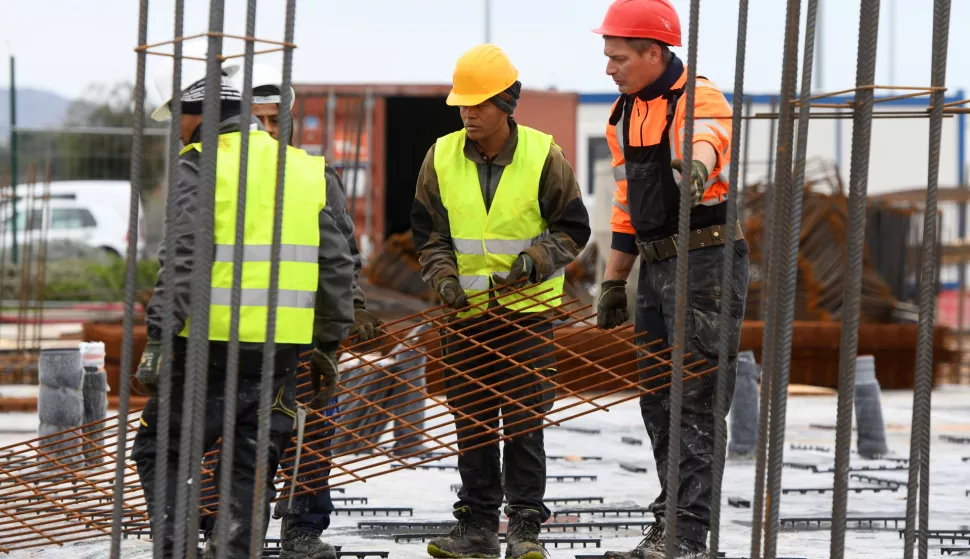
x: 645, y: 134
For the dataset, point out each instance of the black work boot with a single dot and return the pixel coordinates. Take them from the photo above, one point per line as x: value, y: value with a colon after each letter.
x: 684, y: 549
x: 653, y: 536
x: 467, y: 539
x: 299, y: 544
x: 523, y: 535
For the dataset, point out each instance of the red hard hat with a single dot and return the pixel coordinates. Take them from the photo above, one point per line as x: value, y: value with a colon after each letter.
x: 642, y: 19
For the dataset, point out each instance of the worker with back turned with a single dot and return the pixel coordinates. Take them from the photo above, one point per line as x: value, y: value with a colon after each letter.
x: 314, y: 304
x: 645, y: 133
x: 497, y: 205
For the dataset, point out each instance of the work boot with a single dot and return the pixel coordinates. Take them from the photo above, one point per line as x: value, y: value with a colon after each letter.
x: 684, y: 549
x: 467, y: 539
x: 298, y: 544
x: 209, y: 549
x: 653, y: 536
x: 523, y: 535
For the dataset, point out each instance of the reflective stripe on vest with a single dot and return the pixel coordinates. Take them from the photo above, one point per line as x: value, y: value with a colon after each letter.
x: 487, y: 242
x: 304, y: 197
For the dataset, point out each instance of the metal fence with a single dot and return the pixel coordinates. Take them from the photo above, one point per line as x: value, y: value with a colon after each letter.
x: 783, y: 206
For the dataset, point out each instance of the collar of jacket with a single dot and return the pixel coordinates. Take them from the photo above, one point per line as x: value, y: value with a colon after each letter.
x: 227, y: 126
x: 503, y: 157
x: 666, y: 81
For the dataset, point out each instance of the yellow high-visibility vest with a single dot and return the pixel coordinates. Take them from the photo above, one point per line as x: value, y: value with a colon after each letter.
x: 489, y: 241
x: 304, y: 197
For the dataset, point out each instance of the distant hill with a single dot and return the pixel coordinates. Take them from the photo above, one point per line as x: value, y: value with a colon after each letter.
x: 35, y: 107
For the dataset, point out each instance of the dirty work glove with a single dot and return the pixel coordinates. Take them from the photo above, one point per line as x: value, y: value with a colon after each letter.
x: 698, y: 178
x: 366, y: 324
x: 323, y: 377
x: 611, y: 309
x: 149, y: 366
x: 451, y: 293
x: 522, y: 268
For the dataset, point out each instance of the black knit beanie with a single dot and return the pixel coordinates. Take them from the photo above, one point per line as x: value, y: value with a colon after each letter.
x: 508, y: 99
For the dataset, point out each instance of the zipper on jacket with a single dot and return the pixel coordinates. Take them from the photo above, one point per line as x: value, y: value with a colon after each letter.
x: 643, y: 120
x: 488, y: 185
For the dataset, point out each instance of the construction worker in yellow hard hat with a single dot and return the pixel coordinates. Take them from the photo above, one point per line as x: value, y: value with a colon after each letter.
x: 497, y: 204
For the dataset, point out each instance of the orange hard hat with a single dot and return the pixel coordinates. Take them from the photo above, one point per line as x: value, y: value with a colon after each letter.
x: 642, y: 19
x: 480, y: 74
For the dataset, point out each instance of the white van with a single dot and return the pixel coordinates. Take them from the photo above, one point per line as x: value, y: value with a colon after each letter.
x: 92, y: 213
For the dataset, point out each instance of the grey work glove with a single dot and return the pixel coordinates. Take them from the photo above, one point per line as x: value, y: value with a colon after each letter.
x: 698, y: 178
x: 324, y: 377
x: 522, y: 269
x: 367, y: 325
x: 451, y: 293
x: 611, y: 309
x: 149, y: 366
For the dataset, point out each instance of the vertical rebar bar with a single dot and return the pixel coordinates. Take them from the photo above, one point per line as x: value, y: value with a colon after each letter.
x: 124, y: 390
x: 919, y: 450
x: 780, y: 261
x: 269, y: 348
x: 855, y: 247
x: 13, y: 159
x: 746, y: 151
x: 162, y: 440
x: 197, y: 355
x: 680, y: 310
x: 786, y: 258
x: 768, y: 223
x: 231, y: 389
x: 727, y: 287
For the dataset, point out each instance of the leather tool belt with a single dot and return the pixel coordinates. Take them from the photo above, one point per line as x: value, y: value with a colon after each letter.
x: 662, y: 249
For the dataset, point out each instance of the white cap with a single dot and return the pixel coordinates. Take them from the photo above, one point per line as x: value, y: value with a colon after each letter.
x: 264, y: 75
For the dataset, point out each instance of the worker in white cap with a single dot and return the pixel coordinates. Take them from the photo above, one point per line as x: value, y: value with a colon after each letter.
x: 314, y: 304
x: 309, y: 515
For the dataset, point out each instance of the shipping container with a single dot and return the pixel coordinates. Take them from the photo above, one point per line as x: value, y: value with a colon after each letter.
x: 377, y: 136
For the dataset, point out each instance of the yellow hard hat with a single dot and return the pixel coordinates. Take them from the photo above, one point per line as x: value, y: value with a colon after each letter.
x: 480, y: 74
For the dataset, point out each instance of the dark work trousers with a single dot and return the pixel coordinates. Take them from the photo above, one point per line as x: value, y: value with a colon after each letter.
x: 523, y: 464
x: 145, y: 452
x: 310, y: 512
x: 655, y: 315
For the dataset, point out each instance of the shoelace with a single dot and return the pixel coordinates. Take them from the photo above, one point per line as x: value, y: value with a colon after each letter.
x: 527, y: 530
x: 459, y: 529
x: 653, y: 534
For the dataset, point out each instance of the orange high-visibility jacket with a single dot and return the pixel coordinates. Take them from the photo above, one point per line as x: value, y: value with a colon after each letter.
x: 645, y: 134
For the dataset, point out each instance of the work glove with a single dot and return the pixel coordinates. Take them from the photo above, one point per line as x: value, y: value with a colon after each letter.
x: 451, y: 293
x: 366, y: 325
x: 698, y: 178
x: 149, y: 366
x: 611, y: 309
x: 522, y: 268
x: 323, y: 377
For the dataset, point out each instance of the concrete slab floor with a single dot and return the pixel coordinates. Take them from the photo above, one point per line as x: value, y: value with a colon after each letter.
x: 428, y: 491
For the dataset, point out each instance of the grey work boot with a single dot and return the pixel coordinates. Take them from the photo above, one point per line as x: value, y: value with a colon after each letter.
x: 653, y: 536
x: 467, y: 539
x: 209, y: 550
x: 685, y: 549
x: 297, y: 544
x: 523, y: 535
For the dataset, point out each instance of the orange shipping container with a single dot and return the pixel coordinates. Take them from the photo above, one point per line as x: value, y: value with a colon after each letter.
x: 384, y: 131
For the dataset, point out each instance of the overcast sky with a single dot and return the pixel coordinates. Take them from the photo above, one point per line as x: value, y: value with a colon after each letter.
x: 65, y: 45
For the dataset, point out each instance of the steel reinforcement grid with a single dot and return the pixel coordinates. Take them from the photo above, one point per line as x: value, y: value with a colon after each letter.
x: 51, y: 494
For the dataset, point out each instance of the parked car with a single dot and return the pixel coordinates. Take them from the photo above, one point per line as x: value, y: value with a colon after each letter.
x: 92, y: 213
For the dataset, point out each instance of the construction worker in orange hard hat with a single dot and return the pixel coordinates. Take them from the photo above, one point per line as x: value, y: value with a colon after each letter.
x: 497, y: 204
x: 645, y: 134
